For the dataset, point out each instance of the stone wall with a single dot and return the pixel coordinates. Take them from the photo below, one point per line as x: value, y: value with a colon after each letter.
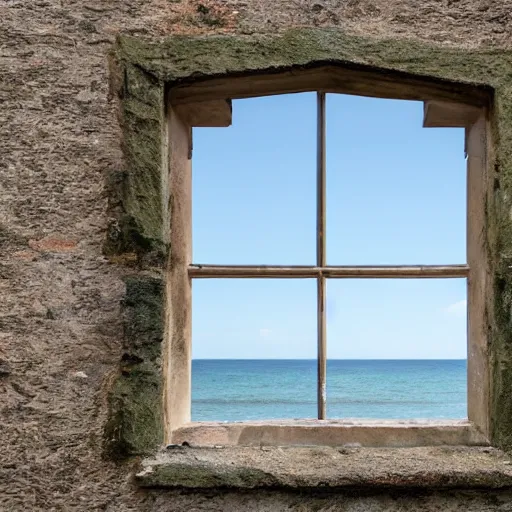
x: 61, y: 319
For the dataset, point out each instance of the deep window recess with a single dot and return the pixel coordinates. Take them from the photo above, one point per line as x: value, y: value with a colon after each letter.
x: 207, y: 103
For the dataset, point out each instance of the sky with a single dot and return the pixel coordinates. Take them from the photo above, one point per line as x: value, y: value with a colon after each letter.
x: 396, y: 194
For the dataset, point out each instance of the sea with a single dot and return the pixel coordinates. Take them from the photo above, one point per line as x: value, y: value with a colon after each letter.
x: 242, y: 389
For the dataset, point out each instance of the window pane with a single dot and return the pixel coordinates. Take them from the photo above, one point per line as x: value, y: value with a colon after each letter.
x: 396, y: 192
x: 254, y: 344
x: 254, y: 184
x: 396, y: 348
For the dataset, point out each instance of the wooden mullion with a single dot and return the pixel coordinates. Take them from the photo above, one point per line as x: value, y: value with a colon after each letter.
x: 321, y: 259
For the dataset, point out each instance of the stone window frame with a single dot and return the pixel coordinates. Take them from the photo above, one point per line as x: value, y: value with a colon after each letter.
x: 161, y: 83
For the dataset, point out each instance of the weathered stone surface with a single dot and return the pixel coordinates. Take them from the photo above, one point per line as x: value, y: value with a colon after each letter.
x: 5, y: 368
x: 138, y: 199
x: 314, y: 468
x: 182, y: 58
x: 355, y: 501
x: 59, y: 142
x: 135, y: 425
x: 143, y: 318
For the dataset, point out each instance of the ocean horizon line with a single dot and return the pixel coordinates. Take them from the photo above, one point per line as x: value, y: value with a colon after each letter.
x: 328, y: 359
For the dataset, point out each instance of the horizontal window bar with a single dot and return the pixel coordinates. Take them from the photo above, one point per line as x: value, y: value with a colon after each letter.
x: 296, y: 271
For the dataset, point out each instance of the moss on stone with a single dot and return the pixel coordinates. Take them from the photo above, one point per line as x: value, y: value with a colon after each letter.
x: 206, y: 477
x: 143, y: 317
x: 311, y: 468
x: 137, y: 191
x: 124, y: 235
x: 184, y: 58
x: 499, y: 238
x: 142, y: 193
x: 135, y: 425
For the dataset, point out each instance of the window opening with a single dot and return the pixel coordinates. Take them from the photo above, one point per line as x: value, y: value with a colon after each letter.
x: 396, y: 191
x: 262, y: 185
x: 321, y: 271
x: 247, y: 326
x: 397, y: 349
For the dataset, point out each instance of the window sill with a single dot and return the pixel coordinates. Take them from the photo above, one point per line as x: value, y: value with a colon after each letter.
x: 367, y: 433
x: 303, y: 468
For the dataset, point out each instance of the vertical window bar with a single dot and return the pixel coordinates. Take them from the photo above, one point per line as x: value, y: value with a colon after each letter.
x: 320, y: 256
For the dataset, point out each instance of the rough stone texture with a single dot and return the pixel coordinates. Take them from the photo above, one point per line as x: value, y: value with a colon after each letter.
x: 60, y: 314
x: 135, y: 423
x: 273, y: 501
x: 343, y: 468
x: 136, y: 196
x: 182, y: 58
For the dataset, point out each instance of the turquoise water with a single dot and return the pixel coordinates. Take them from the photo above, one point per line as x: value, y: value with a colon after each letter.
x: 235, y: 390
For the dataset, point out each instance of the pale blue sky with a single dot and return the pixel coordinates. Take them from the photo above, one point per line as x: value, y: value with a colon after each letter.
x: 395, y: 195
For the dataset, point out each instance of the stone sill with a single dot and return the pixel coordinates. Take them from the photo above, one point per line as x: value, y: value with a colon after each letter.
x: 367, y: 433
x: 328, y: 468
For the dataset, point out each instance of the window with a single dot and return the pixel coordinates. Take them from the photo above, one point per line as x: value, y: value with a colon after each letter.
x: 204, y: 106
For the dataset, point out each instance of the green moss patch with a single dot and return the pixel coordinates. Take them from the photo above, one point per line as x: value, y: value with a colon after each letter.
x: 137, y: 194
x: 135, y: 425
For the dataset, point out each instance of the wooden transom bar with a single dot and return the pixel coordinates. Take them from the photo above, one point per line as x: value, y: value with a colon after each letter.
x: 339, y: 272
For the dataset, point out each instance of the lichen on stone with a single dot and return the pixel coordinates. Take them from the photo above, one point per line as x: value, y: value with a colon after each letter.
x: 137, y: 194
x: 135, y: 425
